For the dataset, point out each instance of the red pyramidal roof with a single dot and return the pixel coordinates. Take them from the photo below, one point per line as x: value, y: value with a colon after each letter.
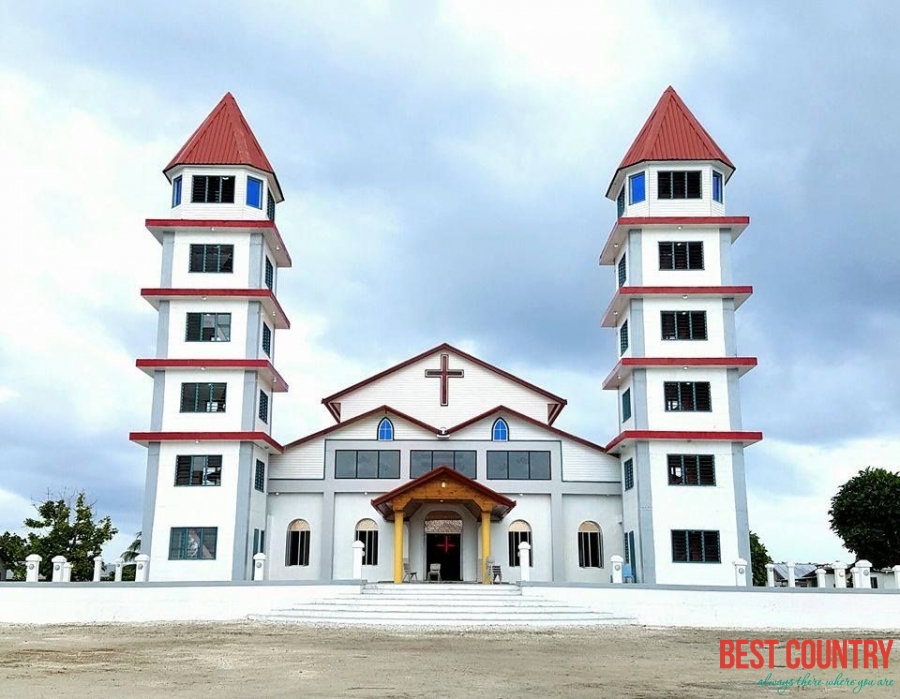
x: 672, y: 132
x: 224, y: 138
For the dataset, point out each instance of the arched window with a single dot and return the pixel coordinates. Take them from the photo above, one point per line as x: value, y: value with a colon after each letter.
x: 590, y: 545
x: 367, y: 532
x: 500, y: 432
x: 385, y: 430
x: 519, y: 531
x: 298, y: 543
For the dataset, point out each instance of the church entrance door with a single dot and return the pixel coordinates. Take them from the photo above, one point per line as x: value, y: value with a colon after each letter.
x: 444, y: 549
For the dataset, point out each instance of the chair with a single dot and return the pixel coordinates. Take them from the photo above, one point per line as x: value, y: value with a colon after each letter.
x: 434, y: 572
x: 408, y: 574
x: 496, y: 575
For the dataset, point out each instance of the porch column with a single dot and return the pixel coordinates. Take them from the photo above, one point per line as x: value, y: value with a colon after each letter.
x: 398, y: 546
x: 485, y: 545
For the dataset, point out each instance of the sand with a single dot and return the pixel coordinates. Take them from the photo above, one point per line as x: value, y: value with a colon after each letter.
x: 273, y: 660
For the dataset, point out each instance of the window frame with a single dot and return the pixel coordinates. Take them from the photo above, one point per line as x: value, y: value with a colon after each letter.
x: 623, y: 337
x: 677, y: 404
x: 259, y: 476
x: 216, y: 327
x: 691, y: 318
x: 626, y: 405
x: 516, y: 537
x: 674, y: 186
x: 210, y: 470
x: 223, y: 258
x: 212, y: 389
x: 267, y: 339
x: 498, y: 434
x: 691, y: 251
x: 718, y: 187
x: 202, y: 533
x: 380, y: 468
x: 369, y: 537
x: 620, y: 202
x: 701, y: 537
x: 638, y: 176
x: 217, y: 197
x: 590, y: 546
x: 385, y: 435
x: 628, y: 474
x: 468, y: 452
x: 691, y: 470
x: 269, y: 274
x: 259, y: 183
x: 304, y: 537
x: 622, y: 270
x: 176, y: 191
x: 492, y: 474
x: 263, y: 411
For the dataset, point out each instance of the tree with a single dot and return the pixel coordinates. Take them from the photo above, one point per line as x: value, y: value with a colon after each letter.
x: 66, y: 527
x: 12, y: 552
x: 128, y: 555
x: 759, y: 556
x: 865, y: 513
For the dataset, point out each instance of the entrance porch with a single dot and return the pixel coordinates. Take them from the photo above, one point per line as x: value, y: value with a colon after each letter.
x: 440, y: 488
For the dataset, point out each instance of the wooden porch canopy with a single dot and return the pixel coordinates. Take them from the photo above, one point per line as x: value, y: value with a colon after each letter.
x: 444, y: 485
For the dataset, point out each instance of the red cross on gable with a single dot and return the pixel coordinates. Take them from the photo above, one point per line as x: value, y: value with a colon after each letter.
x: 444, y: 373
x: 446, y: 545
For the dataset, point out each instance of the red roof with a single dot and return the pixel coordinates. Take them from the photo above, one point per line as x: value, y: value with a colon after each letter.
x: 672, y: 132
x: 224, y: 138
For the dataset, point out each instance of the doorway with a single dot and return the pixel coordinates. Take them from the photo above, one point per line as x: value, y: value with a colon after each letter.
x: 443, y: 544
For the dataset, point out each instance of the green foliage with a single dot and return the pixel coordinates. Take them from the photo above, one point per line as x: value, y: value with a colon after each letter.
x: 865, y: 513
x: 759, y: 556
x: 12, y: 553
x: 66, y: 527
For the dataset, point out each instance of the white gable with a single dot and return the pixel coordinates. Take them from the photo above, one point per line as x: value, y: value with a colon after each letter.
x: 478, y: 390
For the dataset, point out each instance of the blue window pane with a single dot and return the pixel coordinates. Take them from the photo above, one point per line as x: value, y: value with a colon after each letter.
x: 254, y: 192
x: 176, y: 191
x: 385, y: 430
x: 637, y: 191
x: 717, y: 186
x: 501, y: 431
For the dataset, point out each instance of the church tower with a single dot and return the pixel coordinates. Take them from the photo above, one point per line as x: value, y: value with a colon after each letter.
x: 213, y: 375
x: 680, y: 439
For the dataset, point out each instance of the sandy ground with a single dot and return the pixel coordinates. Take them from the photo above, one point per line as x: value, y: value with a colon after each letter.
x: 270, y: 660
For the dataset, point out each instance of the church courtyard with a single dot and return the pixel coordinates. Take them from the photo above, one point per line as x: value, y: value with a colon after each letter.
x: 257, y: 659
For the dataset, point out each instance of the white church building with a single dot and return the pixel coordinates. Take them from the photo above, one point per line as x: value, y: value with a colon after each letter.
x: 444, y: 459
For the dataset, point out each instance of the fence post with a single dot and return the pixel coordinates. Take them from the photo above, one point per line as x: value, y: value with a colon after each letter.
x: 617, y: 562
x: 98, y: 568
x: 840, y: 574
x: 120, y: 564
x: 854, y: 576
x: 524, y: 561
x: 820, y: 577
x: 792, y: 579
x: 141, y: 567
x: 58, y: 562
x: 865, y: 574
x: 259, y: 566
x: 358, y: 548
x: 740, y: 572
x: 770, y: 575
x: 33, y: 567
x: 67, y: 572
x: 896, y: 570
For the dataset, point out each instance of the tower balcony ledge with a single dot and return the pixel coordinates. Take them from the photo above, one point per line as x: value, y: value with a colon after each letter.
x: 616, y: 238
x: 260, y: 439
x: 262, y: 366
x: 268, y: 229
x: 627, y: 437
x: 622, y: 371
x: 265, y: 297
x: 625, y: 293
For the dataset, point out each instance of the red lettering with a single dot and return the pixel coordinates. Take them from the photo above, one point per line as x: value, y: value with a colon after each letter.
x: 788, y: 660
x: 741, y: 654
x: 855, y: 643
x: 870, y: 650
x: 772, y: 644
x: 726, y: 653
x: 808, y: 654
x: 885, y: 651
x: 758, y: 660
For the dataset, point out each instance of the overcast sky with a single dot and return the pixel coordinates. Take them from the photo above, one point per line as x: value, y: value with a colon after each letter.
x: 444, y: 166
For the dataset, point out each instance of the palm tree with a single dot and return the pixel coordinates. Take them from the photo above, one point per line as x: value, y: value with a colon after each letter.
x: 133, y: 550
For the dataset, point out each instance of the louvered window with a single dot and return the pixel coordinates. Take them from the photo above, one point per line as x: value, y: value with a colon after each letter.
x: 679, y: 185
x: 208, y: 327
x: 270, y: 273
x: 623, y: 338
x: 264, y: 407
x: 620, y: 203
x: 628, y: 474
x: 686, y: 255
x: 622, y: 270
x: 212, y: 189
x: 626, y: 405
x: 198, y: 470
x: 692, y: 469
x: 692, y: 546
x: 193, y: 543
x: 683, y: 325
x: 267, y: 340
x: 259, y: 478
x: 212, y: 258
x: 203, y: 397
x: 687, y: 396
x: 270, y: 206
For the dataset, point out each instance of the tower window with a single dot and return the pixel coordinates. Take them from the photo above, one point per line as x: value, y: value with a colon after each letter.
x: 385, y: 430
x: 717, y: 186
x: 259, y: 478
x: 212, y: 189
x: 687, y: 396
x: 270, y: 273
x: 267, y: 340
x: 176, y: 191
x: 695, y: 546
x: 193, y: 543
x: 679, y: 184
x: 203, y: 397
x: 620, y: 203
x: 626, y: 405
x: 254, y: 193
x: 681, y: 255
x: 270, y: 206
x: 208, y: 327
x: 500, y: 431
x: 212, y: 258
x: 683, y: 325
x: 198, y: 470
x: 623, y: 272
x: 692, y: 469
x: 628, y: 474
x: 623, y: 338
x: 264, y: 407
x: 636, y: 189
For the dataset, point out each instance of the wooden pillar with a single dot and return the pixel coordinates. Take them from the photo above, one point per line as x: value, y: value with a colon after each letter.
x: 485, y: 545
x: 398, y: 546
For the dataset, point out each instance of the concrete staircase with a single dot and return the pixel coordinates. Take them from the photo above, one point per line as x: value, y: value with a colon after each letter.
x: 437, y: 605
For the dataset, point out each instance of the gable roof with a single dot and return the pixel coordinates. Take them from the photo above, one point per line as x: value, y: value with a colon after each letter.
x: 502, y: 409
x: 224, y: 138
x: 671, y: 132
x: 380, y: 410
x: 332, y: 402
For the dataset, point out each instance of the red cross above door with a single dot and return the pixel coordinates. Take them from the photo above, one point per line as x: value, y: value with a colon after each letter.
x: 446, y: 545
x: 444, y: 373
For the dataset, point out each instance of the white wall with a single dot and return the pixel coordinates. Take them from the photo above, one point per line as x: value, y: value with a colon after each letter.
x: 534, y: 509
x: 652, y: 275
x: 582, y: 463
x: 229, y: 421
x: 235, y: 349
x: 238, y: 210
x: 604, y: 510
x: 659, y: 419
x: 653, y: 206
x: 183, y: 278
x: 655, y: 346
x: 284, y: 508
x: 303, y: 461
x: 349, y: 508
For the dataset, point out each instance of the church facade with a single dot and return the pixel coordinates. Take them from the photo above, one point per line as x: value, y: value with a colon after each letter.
x: 446, y: 463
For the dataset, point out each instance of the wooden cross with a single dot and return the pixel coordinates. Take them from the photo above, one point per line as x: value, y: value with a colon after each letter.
x: 443, y: 374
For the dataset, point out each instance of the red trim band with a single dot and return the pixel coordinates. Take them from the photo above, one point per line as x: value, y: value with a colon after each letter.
x: 273, y: 308
x: 656, y: 435
x: 279, y: 385
x: 624, y: 293
x: 625, y: 364
x: 268, y: 229
x: 147, y: 437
